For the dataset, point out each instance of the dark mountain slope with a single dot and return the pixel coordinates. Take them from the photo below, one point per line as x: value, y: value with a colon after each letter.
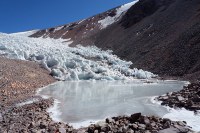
x: 79, y: 32
x: 157, y: 35
x: 162, y: 36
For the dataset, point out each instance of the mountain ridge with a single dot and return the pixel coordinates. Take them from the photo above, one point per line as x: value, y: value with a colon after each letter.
x: 81, y: 32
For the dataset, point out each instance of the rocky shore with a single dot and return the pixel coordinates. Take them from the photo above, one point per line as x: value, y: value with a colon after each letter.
x: 33, y: 118
x: 20, y: 79
x: 188, y: 98
x: 137, y: 123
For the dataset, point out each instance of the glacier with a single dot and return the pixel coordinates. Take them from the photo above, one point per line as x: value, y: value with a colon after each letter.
x: 69, y: 63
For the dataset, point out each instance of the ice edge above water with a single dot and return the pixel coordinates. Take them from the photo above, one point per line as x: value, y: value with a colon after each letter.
x: 54, y: 109
x: 181, y: 114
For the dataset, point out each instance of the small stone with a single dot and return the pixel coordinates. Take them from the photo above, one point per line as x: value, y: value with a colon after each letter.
x: 198, y: 93
x: 167, y: 124
x: 181, y: 123
x: 147, y: 131
x: 33, y: 131
x: 153, y: 124
x: 109, y: 120
x: 41, y: 131
x: 124, y: 129
x: 164, y: 98
x: 105, y: 129
x: 165, y: 120
x: 43, y: 125
x: 180, y: 98
x: 133, y: 126
x: 130, y: 131
x: 91, y: 129
x: 196, y: 99
x: 62, y: 130
x: 146, y: 121
x: 154, y: 131
x: 141, y: 126
x: 96, y: 131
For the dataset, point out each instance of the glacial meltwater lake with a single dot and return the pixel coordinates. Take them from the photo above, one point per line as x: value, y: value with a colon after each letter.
x: 80, y: 102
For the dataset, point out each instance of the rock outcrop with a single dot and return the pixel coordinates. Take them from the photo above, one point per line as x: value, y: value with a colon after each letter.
x: 188, y: 98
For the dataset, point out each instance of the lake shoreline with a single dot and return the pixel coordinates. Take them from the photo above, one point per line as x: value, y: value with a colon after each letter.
x: 33, y: 117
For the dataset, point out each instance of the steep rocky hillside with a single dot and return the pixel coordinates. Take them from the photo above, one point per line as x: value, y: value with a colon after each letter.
x: 160, y: 36
x: 157, y: 35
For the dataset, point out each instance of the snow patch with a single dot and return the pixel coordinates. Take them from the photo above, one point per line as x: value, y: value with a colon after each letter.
x: 192, y: 119
x: 54, y: 111
x: 25, y: 34
x: 119, y: 12
x: 27, y: 102
x: 81, y: 21
x: 58, y: 28
x: 65, y: 34
x: 83, y: 124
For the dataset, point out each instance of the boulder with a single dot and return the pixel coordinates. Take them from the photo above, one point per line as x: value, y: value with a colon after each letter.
x: 135, y: 117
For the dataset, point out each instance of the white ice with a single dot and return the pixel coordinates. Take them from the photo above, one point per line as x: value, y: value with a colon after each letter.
x: 54, y: 111
x: 26, y: 33
x: 192, y: 119
x: 27, y: 102
x: 84, y: 123
x: 119, y: 12
x: 58, y: 28
x: 69, y: 63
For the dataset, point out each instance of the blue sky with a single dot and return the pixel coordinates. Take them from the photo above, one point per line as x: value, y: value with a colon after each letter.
x: 22, y: 15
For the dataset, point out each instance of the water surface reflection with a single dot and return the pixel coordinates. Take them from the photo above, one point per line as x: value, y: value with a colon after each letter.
x: 87, y: 100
